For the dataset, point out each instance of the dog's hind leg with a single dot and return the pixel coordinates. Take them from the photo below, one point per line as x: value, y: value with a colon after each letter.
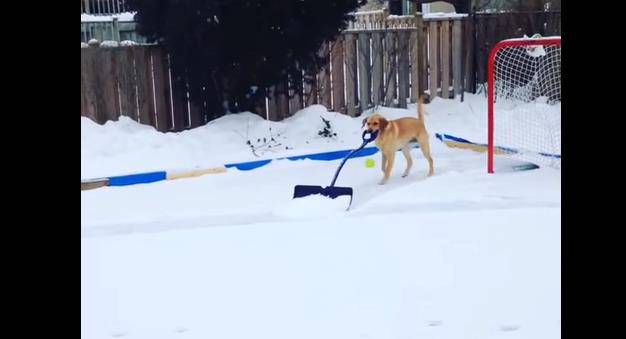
x: 425, y: 147
x: 406, y: 150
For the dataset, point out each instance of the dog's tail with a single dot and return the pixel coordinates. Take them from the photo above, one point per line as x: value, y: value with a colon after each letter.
x: 420, y: 110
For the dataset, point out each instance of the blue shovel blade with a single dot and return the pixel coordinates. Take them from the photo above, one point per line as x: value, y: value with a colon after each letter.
x: 332, y: 192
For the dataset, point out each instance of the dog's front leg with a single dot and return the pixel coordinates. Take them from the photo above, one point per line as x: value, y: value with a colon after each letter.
x: 383, y: 163
x: 389, y: 166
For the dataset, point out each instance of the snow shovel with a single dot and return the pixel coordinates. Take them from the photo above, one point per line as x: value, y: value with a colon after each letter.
x: 333, y: 191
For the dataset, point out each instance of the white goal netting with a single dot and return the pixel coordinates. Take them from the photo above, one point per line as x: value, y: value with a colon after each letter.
x: 527, y: 102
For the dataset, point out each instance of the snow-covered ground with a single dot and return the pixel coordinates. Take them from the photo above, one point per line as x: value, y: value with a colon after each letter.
x: 462, y: 254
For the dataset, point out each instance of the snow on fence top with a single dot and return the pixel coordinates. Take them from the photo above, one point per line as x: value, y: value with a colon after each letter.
x: 109, y: 43
x: 380, y: 19
x: 531, y: 38
x: 122, y: 17
x: 393, y: 16
x: 437, y: 15
x: 378, y: 11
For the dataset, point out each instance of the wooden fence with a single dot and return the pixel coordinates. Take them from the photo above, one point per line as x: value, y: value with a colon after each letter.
x: 377, y: 60
x: 134, y: 81
x: 102, y: 6
x: 381, y: 62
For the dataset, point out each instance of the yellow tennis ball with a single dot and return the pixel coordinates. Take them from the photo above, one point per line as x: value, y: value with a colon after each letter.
x: 369, y: 163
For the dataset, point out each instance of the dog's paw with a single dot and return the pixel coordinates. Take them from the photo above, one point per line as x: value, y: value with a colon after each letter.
x: 382, y: 182
x: 406, y: 174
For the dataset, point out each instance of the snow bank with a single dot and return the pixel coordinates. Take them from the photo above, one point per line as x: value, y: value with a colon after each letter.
x: 125, y: 146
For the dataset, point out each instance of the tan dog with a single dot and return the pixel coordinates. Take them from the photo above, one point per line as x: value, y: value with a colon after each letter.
x: 397, y: 134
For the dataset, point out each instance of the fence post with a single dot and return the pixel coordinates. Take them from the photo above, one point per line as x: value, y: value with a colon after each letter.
x: 364, y: 71
x: 161, y: 89
x: 456, y: 56
x: 415, y: 44
x: 469, y: 50
x: 295, y: 100
x: 145, y: 92
x: 445, y: 59
x: 480, y: 57
x: 323, y: 76
x: 310, y: 90
x: 127, y: 81
x: 350, y: 68
x: 282, y: 101
x: 196, y: 103
x: 403, y: 67
x: 108, y: 84
x: 390, y: 68
x: 339, y: 100
x: 377, y: 68
x: 423, y: 55
x: 180, y: 106
x: 272, y: 104
x: 89, y: 83
x: 433, y: 66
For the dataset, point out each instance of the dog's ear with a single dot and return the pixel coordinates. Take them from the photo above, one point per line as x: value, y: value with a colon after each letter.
x: 364, y: 121
x: 383, y: 124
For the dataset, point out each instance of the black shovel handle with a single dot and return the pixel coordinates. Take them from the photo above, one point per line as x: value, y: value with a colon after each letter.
x: 372, y: 136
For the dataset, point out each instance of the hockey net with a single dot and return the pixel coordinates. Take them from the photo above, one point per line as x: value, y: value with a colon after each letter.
x: 524, y: 85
